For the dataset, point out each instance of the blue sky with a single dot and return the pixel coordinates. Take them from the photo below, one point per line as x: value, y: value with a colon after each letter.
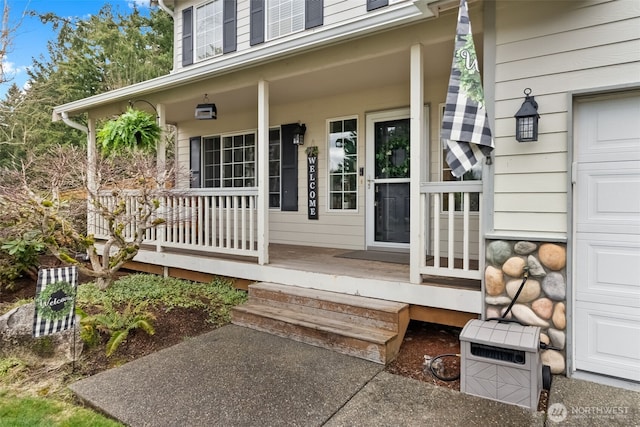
x: 31, y: 36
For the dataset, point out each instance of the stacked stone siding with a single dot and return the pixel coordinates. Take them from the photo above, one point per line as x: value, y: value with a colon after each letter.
x: 541, y: 302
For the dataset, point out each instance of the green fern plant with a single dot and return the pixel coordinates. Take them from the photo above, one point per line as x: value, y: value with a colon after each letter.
x: 133, y: 130
x: 115, y: 324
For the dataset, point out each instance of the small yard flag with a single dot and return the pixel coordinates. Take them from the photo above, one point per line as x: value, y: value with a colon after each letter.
x: 55, y: 300
x: 465, y: 125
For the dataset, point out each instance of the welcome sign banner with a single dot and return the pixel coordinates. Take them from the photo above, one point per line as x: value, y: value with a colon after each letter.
x: 55, y: 300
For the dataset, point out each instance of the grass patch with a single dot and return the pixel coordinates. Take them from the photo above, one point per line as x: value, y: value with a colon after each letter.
x: 216, y: 298
x: 18, y: 411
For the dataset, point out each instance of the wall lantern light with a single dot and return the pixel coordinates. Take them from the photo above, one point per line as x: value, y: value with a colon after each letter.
x: 298, y: 134
x: 527, y: 119
x: 206, y: 110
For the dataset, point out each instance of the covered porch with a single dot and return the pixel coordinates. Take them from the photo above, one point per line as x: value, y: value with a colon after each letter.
x: 236, y: 232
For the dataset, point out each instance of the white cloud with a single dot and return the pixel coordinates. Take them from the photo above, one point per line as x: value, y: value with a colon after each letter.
x: 10, y: 70
x: 141, y: 4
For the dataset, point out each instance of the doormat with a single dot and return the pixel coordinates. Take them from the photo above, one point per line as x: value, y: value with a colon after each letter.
x: 382, y: 256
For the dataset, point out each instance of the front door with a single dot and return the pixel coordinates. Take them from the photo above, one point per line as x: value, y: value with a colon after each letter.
x: 388, y: 176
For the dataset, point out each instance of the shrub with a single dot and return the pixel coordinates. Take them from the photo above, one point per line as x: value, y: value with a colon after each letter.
x: 115, y: 324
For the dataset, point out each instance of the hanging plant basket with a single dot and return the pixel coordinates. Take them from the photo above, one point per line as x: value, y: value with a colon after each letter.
x: 133, y: 130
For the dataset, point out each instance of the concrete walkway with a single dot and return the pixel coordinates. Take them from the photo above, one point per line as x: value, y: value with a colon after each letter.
x: 236, y: 376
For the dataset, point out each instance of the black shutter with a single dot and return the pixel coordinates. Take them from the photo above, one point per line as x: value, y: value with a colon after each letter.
x: 187, y: 36
x: 313, y: 13
x: 376, y: 4
x: 256, y: 22
x: 289, y: 169
x: 229, y: 31
x: 195, y: 161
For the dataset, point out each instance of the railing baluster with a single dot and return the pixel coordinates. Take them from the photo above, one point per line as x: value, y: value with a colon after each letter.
x: 227, y: 237
x: 436, y: 230
x: 215, y: 200
x: 252, y: 204
x: 465, y: 232
x: 194, y: 220
x: 236, y: 200
x: 451, y: 234
x: 222, y: 200
x: 206, y: 225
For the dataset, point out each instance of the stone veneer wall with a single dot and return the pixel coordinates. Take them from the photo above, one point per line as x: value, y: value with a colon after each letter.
x: 542, y: 301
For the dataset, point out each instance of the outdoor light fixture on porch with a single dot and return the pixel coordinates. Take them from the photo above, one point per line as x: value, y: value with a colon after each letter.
x: 206, y: 110
x: 298, y: 134
x: 527, y: 119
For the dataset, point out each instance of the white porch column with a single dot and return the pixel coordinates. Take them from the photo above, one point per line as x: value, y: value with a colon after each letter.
x: 418, y: 163
x: 161, y: 149
x: 263, y: 172
x: 92, y: 180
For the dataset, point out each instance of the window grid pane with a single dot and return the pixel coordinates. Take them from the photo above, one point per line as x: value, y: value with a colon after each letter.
x: 284, y: 17
x: 229, y: 161
x: 343, y: 164
x: 208, y: 30
x: 274, y: 168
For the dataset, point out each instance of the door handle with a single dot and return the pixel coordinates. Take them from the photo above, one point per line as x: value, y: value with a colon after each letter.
x: 369, y: 181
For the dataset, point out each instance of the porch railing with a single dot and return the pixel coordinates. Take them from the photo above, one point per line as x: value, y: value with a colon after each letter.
x: 455, y: 217
x: 208, y: 220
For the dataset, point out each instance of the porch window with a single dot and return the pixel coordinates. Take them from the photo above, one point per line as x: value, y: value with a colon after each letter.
x: 343, y: 164
x: 229, y: 161
x: 284, y: 17
x: 275, y: 156
x: 208, y: 27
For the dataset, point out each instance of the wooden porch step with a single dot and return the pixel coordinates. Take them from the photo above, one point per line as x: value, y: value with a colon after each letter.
x: 368, y: 328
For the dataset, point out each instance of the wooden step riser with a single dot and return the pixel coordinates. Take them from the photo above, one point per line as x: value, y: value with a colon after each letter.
x: 368, y: 316
x: 316, y: 309
x: 345, y: 345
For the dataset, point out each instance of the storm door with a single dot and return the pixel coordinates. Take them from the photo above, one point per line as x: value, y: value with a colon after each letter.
x: 388, y: 177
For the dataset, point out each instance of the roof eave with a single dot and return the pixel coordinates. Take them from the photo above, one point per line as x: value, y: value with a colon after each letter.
x: 399, y: 14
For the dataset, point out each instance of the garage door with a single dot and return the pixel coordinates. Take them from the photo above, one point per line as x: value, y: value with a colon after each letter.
x: 607, y: 245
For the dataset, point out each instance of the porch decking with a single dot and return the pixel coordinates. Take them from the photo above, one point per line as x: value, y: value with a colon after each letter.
x: 443, y: 300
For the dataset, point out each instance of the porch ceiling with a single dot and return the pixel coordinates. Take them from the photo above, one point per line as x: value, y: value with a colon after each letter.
x: 385, y: 70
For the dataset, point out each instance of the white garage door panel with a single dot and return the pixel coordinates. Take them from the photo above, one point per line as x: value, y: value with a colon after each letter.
x: 613, y: 346
x: 609, y: 272
x: 612, y: 200
x: 606, y: 285
x: 609, y: 128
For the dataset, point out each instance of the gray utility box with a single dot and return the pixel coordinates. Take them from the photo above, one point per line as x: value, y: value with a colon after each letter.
x: 501, y: 361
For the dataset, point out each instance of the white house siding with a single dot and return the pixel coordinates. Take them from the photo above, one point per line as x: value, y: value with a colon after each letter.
x: 388, y: 89
x: 336, y: 12
x: 553, y: 48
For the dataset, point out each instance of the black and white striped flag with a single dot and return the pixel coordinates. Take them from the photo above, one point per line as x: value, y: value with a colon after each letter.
x: 465, y: 125
x: 55, y: 300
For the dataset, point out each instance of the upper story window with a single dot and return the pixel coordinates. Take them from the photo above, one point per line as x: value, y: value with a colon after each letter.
x: 284, y: 17
x: 270, y: 19
x: 208, y: 30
